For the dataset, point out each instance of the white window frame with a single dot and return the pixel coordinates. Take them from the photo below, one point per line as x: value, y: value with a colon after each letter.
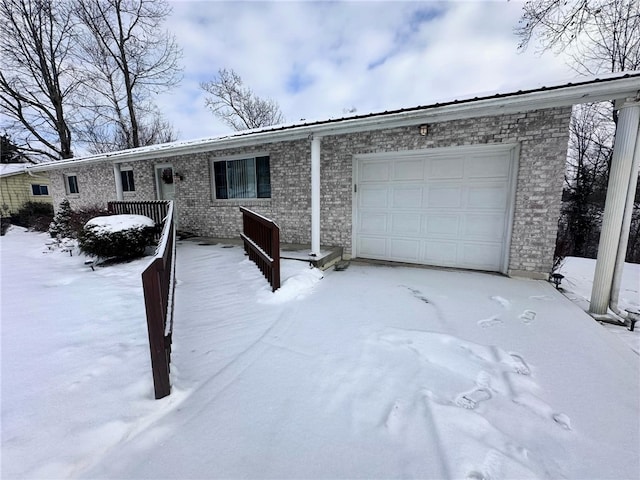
x: 128, y: 169
x: 67, y: 185
x: 241, y: 156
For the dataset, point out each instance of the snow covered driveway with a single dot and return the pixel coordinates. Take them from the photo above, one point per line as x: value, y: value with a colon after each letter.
x: 374, y: 372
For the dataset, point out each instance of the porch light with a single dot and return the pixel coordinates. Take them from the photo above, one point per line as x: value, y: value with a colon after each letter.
x: 424, y: 128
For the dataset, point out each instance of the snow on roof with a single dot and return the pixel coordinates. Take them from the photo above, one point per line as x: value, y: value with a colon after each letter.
x: 581, y: 90
x: 7, y: 169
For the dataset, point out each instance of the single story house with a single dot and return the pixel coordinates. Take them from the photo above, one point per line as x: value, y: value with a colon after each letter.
x: 473, y: 183
x: 19, y: 186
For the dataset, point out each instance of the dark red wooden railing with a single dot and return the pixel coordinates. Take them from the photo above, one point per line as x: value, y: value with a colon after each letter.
x: 158, y: 282
x: 261, y: 238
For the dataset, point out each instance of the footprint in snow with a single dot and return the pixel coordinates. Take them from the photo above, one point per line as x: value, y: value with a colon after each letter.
x: 490, y: 322
x: 480, y: 393
x: 502, y: 301
x: 541, y: 408
x: 519, y: 365
x: 491, y: 468
x: 528, y: 316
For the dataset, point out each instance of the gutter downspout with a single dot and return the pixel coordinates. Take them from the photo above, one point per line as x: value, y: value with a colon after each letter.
x: 118, y: 178
x: 624, y: 235
x: 623, y: 154
x: 315, y: 196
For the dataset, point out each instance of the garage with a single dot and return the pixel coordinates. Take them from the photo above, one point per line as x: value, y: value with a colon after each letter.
x: 449, y: 207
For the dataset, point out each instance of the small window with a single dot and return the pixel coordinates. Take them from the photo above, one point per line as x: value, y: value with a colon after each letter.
x: 243, y: 178
x: 39, y: 190
x: 71, y: 182
x: 127, y: 181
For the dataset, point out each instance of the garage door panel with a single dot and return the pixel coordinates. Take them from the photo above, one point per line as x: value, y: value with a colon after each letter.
x: 407, y: 197
x: 445, y: 168
x: 406, y: 250
x: 487, y: 166
x: 441, y: 253
x: 412, y: 170
x: 485, y: 197
x: 374, y: 196
x: 484, y: 227
x: 444, y: 196
x: 375, y: 171
x: 442, y: 225
x: 405, y: 223
x: 373, y: 247
x: 448, y: 208
x: 373, y: 223
x: 481, y: 256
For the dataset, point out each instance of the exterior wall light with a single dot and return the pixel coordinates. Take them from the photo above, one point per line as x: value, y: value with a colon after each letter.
x: 424, y: 128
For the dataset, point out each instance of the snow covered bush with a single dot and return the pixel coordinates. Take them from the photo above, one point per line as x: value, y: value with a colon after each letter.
x: 117, y: 236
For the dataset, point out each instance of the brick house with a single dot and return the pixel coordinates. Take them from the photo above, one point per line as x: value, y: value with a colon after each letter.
x: 473, y: 184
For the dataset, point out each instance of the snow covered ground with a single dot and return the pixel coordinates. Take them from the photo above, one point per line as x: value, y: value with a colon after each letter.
x: 577, y: 285
x: 374, y: 372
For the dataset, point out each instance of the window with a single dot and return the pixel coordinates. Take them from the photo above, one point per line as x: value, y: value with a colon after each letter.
x: 127, y: 181
x: 242, y: 178
x: 38, y: 190
x: 71, y: 182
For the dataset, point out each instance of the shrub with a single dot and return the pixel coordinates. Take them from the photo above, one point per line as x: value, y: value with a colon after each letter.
x: 81, y: 216
x: 4, y: 224
x: 103, y: 243
x: 34, y: 215
x: 69, y: 223
x: 60, y: 227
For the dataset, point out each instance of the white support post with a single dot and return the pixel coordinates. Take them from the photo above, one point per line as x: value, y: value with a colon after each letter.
x: 626, y: 226
x: 315, y: 196
x: 118, y: 178
x: 621, y: 164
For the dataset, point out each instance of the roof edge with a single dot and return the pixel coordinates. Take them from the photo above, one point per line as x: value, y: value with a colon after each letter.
x: 601, y: 88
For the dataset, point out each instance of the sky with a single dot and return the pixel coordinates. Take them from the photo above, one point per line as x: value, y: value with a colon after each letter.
x: 319, y: 60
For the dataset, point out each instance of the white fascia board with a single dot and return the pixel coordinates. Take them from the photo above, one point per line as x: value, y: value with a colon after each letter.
x: 583, y: 92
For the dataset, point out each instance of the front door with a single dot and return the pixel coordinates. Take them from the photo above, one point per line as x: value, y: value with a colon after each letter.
x: 165, y: 182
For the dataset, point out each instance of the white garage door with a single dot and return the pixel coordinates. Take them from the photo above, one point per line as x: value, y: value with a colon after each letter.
x: 447, y: 207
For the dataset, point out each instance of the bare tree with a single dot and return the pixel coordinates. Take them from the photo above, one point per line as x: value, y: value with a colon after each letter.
x: 589, y: 156
x: 238, y: 106
x: 38, y: 76
x: 599, y: 36
x: 131, y: 59
x: 102, y: 137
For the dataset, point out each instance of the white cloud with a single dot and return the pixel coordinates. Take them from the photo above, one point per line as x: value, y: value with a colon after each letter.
x: 318, y: 58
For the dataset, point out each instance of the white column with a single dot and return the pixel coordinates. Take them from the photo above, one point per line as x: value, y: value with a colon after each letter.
x: 315, y: 195
x: 626, y: 226
x: 118, y: 178
x: 621, y: 163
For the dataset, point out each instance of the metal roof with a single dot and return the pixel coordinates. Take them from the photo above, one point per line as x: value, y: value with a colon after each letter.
x: 584, y: 90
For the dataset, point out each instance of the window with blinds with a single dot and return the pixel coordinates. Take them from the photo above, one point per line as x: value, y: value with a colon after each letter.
x: 242, y: 178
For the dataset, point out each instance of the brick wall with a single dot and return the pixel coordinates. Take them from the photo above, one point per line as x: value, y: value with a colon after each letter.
x: 542, y: 136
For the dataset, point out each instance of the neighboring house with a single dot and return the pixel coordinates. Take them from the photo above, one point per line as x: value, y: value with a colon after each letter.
x: 17, y: 187
x: 473, y: 184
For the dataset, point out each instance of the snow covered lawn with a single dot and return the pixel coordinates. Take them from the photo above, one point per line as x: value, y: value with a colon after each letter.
x: 374, y: 372
x: 577, y: 286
